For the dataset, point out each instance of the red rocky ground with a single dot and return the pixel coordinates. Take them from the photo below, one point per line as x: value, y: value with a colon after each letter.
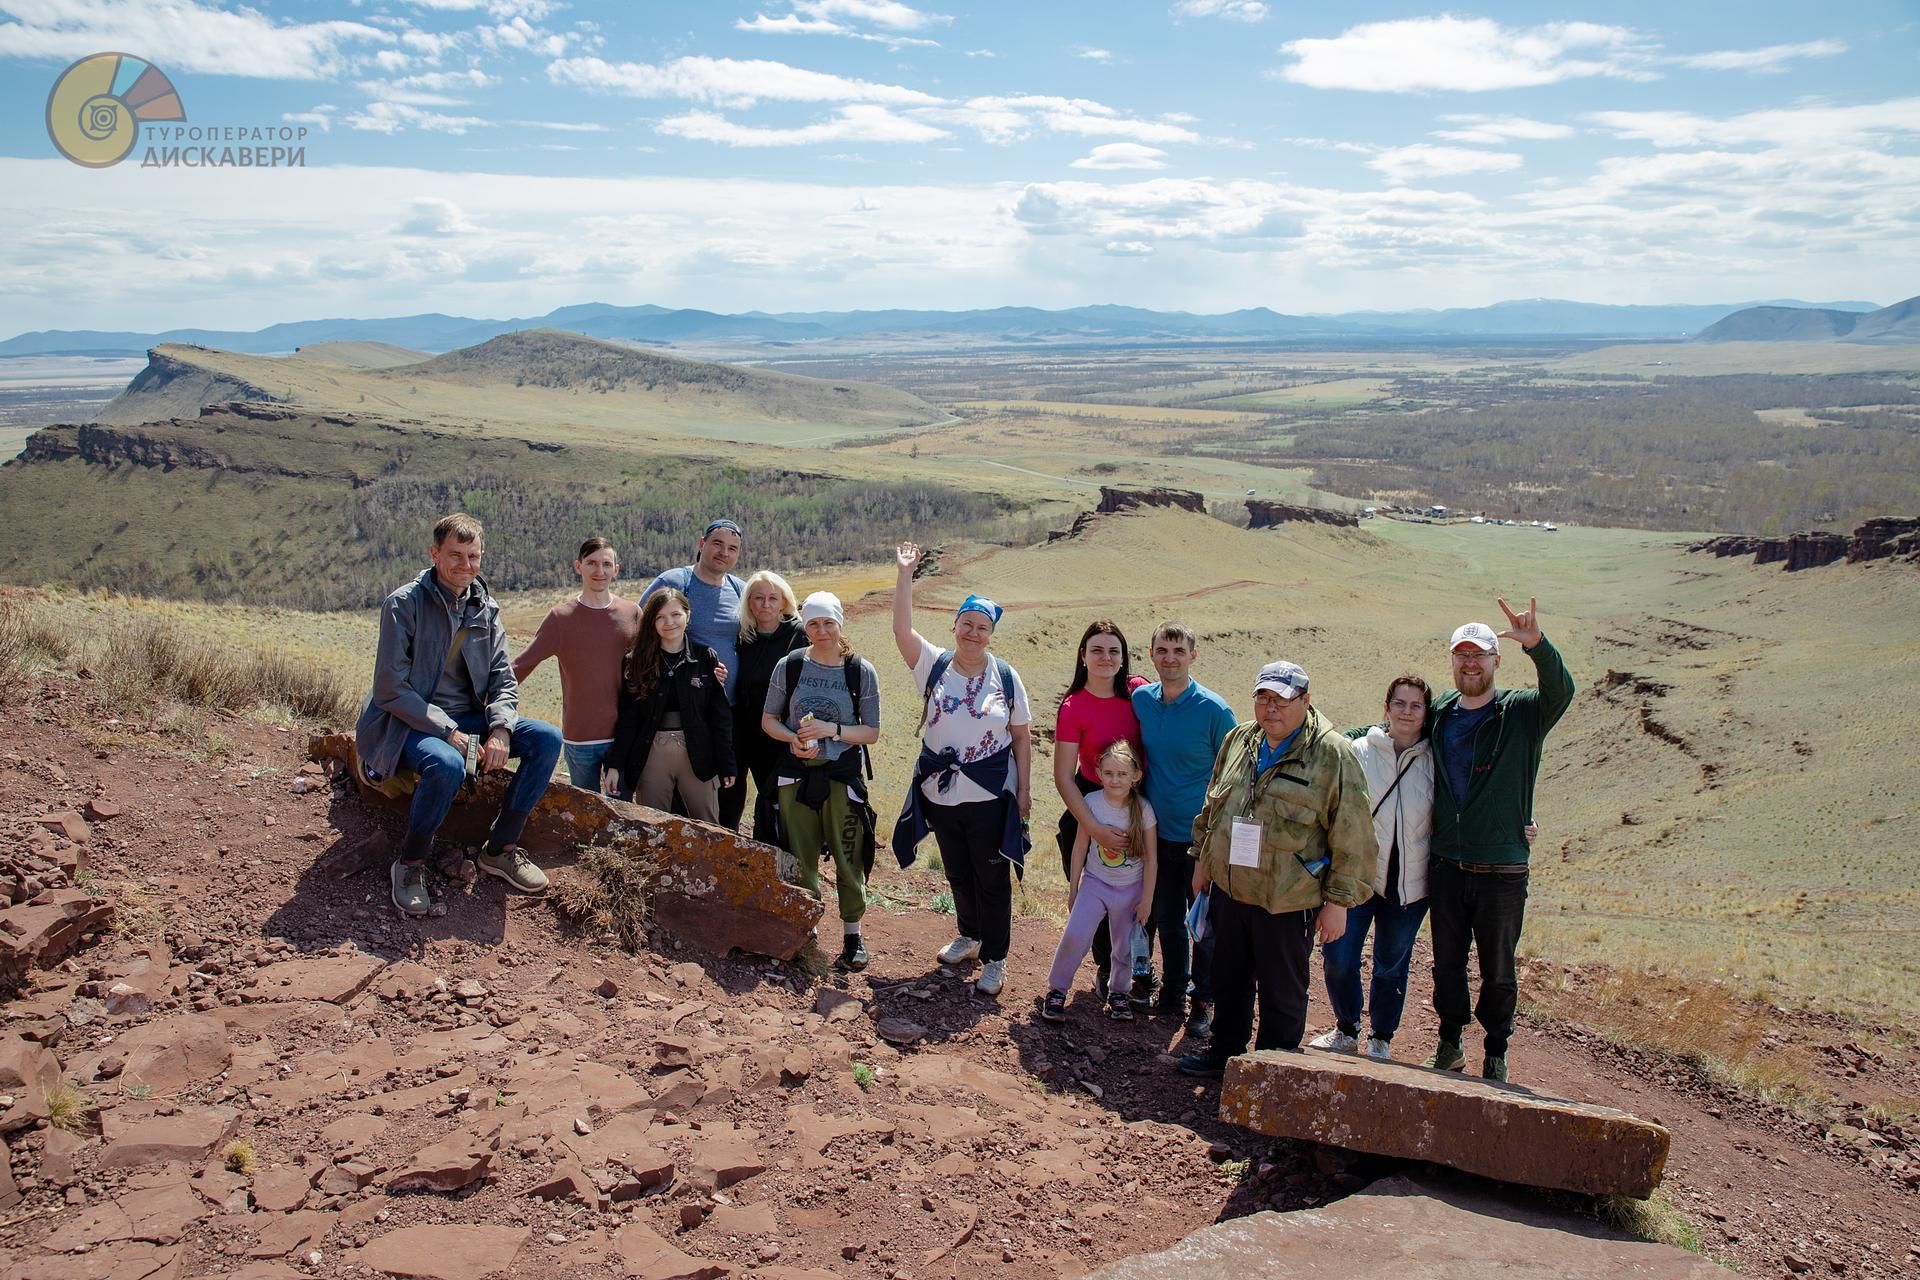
x: 492, y: 1093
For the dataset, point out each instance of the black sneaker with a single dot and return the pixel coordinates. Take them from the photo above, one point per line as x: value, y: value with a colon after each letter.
x: 1119, y: 1008
x: 1203, y: 1064
x: 1145, y: 985
x: 1054, y: 1007
x: 1200, y: 1021
x: 853, y: 954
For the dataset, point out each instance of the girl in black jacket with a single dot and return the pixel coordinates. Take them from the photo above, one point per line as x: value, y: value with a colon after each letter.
x: 675, y: 728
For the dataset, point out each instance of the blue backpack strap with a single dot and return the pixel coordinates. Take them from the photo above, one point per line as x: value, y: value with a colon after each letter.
x: 939, y: 668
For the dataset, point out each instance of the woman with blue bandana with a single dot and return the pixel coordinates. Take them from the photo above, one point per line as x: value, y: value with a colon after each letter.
x: 972, y: 785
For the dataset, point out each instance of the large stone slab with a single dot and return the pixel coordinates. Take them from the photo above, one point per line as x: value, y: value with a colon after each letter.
x: 1399, y: 1229
x: 713, y: 889
x: 456, y: 1251
x: 1393, y: 1109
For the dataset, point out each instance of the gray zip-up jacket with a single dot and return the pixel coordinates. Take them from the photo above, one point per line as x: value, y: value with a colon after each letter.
x: 416, y: 625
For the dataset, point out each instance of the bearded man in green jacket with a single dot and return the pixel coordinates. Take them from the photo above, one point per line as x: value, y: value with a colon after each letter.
x: 1487, y: 744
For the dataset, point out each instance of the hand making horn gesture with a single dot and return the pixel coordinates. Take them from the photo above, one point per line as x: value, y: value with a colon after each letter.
x: 1524, y: 627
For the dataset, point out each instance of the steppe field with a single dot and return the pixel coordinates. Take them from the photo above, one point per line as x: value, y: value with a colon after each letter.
x: 1731, y: 796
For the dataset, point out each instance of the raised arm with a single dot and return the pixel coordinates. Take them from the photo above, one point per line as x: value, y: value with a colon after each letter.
x: 906, y: 559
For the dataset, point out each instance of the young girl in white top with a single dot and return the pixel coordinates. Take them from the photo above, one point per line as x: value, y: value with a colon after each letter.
x: 1115, y: 885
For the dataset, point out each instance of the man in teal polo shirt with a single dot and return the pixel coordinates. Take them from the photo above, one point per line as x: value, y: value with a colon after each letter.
x: 1182, y: 724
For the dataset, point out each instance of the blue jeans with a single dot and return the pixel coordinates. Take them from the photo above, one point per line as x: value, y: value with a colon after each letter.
x: 583, y: 764
x: 1172, y: 895
x: 441, y: 770
x: 1398, y: 925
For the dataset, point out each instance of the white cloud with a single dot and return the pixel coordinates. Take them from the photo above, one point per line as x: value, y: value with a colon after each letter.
x: 1097, y: 55
x: 1233, y: 10
x: 1423, y: 160
x: 396, y: 117
x: 1011, y: 119
x: 432, y: 216
x: 559, y: 126
x: 321, y: 117
x: 726, y: 81
x: 1773, y: 57
x: 831, y: 18
x: 1494, y: 130
x: 1128, y: 249
x: 861, y: 122
x: 180, y: 35
x: 1122, y: 155
x: 1467, y: 54
x: 1814, y: 125
x: 430, y: 89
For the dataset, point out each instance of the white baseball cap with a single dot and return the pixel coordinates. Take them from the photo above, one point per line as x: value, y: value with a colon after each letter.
x: 1477, y: 634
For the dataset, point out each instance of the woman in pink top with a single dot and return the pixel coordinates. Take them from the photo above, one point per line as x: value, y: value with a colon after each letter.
x: 1097, y: 711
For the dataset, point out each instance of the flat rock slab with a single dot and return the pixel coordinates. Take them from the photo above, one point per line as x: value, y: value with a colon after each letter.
x: 1393, y: 1109
x: 188, y: 1136
x: 1399, y: 1229
x: 334, y: 979
x: 457, y: 1252
x: 712, y: 889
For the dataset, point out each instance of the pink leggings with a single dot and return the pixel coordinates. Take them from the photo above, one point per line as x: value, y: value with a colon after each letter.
x: 1097, y: 900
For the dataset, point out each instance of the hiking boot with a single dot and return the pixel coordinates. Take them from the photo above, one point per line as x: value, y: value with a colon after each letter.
x: 512, y: 864
x: 1494, y: 1068
x: 1336, y: 1040
x: 1380, y: 1050
x: 960, y: 950
x: 410, y: 888
x: 1447, y: 1057
x: 993, y: 976
x: 1054, y: 1007
x: 1203, y: 1064
x: 1145, y: 984
x: 1200, y: 1021
x: 853, y: 954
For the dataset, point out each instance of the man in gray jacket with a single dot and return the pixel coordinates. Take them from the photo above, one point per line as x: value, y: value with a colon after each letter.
x: 443, y: 706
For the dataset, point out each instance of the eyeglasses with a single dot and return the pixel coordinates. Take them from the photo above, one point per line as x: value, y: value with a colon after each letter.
x: 1272, y: 700
x: 1474, y: 653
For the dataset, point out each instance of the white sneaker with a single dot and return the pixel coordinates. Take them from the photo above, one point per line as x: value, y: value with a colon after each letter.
x: 1336, y: 1040
x: 1379, y: 1050
x: 993, y: 976
x: 961, y: 950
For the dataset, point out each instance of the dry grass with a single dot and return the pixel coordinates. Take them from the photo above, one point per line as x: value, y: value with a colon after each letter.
x: 608, y: 891
x: 239, y: 1157
x: 67, y: 1106
x: 1654, y: 1218
x: 1728, y: 1037
x: 144, y: 661
x: 27, y: 638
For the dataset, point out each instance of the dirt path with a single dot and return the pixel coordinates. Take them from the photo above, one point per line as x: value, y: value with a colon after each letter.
x: 999, y: 1144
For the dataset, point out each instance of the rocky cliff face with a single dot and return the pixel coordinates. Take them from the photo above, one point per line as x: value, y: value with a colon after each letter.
x: 1112, y: 500
x: 1886, y: 538
x: 1262, y: 514
x: 171, y: 387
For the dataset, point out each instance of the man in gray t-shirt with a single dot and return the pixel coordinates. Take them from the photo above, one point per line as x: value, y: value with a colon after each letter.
x: 823, y: 789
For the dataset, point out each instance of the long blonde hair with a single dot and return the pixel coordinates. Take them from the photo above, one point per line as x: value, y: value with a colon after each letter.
x: 1121, y: 749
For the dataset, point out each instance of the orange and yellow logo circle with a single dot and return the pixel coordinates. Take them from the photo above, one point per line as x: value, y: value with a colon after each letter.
x: 98, y: 104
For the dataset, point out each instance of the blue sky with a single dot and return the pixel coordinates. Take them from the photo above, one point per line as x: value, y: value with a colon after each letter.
x: 502, y: 157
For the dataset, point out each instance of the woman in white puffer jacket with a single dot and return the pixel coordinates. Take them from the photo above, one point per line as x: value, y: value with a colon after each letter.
x: 1398, y: 760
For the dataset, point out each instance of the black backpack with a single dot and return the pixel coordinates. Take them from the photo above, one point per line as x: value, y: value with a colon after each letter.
x: 791, y: 666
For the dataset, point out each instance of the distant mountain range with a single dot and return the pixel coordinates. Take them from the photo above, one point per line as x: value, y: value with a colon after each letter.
x: 1899, y: 323
x: 1534, y: 318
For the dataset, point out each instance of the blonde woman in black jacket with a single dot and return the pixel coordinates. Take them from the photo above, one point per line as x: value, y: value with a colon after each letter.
x: 675, y: 728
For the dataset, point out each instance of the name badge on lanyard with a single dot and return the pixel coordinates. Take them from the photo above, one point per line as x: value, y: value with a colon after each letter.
x: 1245, y: 849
